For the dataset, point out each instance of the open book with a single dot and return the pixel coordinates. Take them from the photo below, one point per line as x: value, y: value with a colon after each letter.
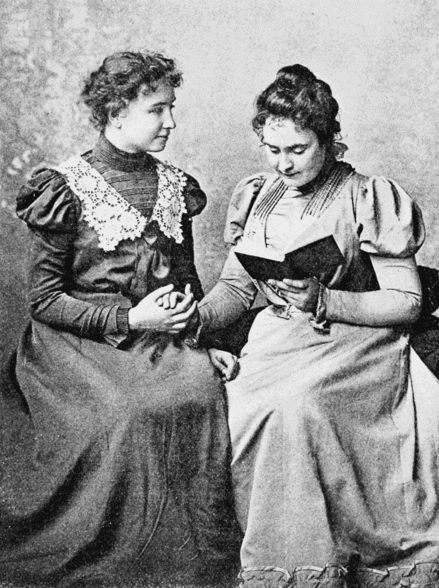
x: 316, y: 259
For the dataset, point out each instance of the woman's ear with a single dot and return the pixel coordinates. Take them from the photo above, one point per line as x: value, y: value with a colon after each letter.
x: 114, y: 120
x: 115, y: 115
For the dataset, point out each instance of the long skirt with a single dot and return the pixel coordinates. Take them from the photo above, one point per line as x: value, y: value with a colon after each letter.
x: 114, y: 463
x: 335, y: 456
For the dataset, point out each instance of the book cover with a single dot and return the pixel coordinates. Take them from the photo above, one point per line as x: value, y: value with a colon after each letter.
x: 316, y: 259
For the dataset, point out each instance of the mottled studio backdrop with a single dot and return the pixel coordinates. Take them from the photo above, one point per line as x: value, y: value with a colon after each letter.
x: 380, y: 56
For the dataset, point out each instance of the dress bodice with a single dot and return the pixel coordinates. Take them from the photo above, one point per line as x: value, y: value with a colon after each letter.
x: 138, y: 266
x: 365, y: 216
x: 78, y: 284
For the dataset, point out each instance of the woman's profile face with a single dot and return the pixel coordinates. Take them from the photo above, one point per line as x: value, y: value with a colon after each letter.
x: 146, y: 122
x: 294, y: 153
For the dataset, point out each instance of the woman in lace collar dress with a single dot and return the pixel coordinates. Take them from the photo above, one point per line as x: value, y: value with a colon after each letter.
x: 334, y: 419
x: 115, y: 448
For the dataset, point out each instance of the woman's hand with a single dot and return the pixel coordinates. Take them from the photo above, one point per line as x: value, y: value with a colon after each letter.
x: 303, y: 294
x: 170, y: 299
x: 151, y: 315
x: 226, y: 363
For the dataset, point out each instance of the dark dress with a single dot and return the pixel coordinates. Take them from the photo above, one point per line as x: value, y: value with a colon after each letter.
x: 114, y: 447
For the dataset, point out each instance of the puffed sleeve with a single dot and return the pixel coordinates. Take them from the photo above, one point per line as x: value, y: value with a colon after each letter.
x: 51, y: 211
x: 47, y: 203
x: 389, y: 222
x: 194, y: 196
x: 240, y: 205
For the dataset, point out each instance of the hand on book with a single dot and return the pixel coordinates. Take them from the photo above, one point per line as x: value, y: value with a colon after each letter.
x: 303, y: 294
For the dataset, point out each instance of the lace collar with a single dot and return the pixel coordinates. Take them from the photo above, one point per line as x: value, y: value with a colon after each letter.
x: 112, y: 217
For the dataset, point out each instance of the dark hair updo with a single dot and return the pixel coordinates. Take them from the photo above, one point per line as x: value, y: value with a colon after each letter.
x: 297, y: 94
x: 121, y: 77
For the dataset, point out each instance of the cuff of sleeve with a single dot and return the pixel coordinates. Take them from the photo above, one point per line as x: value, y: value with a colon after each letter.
x: 123, y: 326
x: 318, y: 320
x: 195, y: 337
x: 192, y: 335
x: 209, y: 339
x: 120, y: 330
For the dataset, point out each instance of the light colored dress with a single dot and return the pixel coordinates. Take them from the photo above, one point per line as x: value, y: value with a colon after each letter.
x: 335, y: 434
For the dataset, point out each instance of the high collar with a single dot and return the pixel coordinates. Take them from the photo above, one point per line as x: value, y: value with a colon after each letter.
x: 121, y: 160
x: 321, y: 177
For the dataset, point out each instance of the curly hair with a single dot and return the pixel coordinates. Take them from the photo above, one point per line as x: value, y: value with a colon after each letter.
x: 120, y: 79
x: 297, y: 94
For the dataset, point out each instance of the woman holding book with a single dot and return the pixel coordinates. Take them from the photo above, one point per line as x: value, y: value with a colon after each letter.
x: 114, y: 458
x: 334, y: 419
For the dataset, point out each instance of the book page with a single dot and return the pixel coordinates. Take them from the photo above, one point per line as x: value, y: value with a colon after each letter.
x: 315, y: 231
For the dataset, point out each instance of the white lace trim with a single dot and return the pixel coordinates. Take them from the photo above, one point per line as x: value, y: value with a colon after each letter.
x: 170, y: 205
x: 111, y: 216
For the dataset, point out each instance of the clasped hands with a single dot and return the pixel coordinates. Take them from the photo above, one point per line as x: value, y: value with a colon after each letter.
x: 169, y: 311
x: 303, y: 294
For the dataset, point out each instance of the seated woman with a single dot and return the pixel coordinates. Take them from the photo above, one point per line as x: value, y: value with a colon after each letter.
x: 115, y: 450
x: 334, y: 419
